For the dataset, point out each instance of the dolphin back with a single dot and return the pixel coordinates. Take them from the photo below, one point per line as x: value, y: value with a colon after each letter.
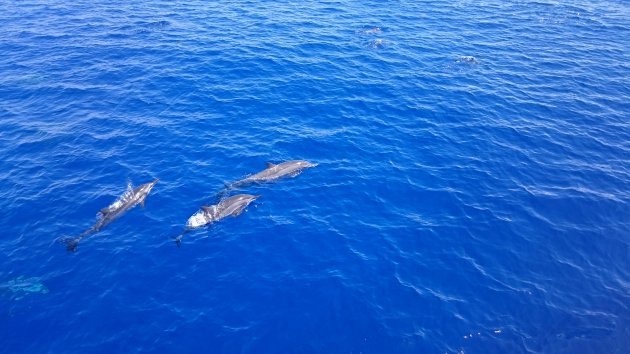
x: 273, y: 172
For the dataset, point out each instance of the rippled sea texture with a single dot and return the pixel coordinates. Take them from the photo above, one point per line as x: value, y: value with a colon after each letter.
x: 476, y: 206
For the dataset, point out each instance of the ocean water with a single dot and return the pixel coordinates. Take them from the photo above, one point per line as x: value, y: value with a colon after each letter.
x: 472, y: 193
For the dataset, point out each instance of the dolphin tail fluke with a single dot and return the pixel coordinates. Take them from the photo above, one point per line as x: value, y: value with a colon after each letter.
x: 178, y: 241
x: 71, y: 243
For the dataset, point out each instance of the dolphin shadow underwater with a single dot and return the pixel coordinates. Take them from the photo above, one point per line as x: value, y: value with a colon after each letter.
x: 21, y: 286
x: 106, y: 216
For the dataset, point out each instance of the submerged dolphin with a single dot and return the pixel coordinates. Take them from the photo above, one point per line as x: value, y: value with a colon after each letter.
x: 273, y: 172
x: 128, y: 200
x: 21, y: 286
x: 372, y: 30
x: 232, y: 206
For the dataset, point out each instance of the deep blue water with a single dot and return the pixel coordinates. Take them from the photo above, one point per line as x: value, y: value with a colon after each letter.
x: 476, y: 206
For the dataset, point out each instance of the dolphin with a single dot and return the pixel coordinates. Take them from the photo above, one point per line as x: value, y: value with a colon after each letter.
x: 232, y: 206
x: 273, y: 172
x: 378, y: 43
x: 128, y: 200
x: 372, y: 30
x: 21, y: 286
x: 468, y: 59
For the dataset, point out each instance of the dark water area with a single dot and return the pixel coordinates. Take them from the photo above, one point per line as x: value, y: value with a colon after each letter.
x: 472, y: 191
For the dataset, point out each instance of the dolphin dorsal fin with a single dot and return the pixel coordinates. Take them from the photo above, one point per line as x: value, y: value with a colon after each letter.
x: 270, y: 165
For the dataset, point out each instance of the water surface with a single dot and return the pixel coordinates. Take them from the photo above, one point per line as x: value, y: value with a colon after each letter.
x: 458, y: 206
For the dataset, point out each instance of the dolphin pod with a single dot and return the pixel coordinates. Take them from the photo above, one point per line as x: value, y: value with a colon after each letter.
x: 227, y: 206
x: 128, y: 200
x: 234, y: 206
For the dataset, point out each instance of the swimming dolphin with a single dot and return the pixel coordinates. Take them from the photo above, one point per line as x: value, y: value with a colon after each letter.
x: 372, y: 30
x: 377, y: 43
x: 469, y: 59
x: 128, y: 200
x: 232, y: 206
x: 273, y: 172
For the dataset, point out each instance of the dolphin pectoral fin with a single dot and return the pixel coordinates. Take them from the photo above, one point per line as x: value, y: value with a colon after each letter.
x: 104, y: 211
x: 142, y: 203
x: 238, y: 211
x: 269, y: 165
x: 207, y: 209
